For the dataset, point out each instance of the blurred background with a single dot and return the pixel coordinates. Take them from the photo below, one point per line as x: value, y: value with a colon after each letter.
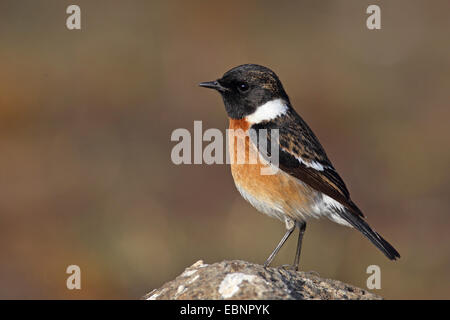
x: 86, y: 118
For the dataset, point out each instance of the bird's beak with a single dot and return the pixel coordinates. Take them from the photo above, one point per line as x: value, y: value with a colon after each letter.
x: 213, y: 85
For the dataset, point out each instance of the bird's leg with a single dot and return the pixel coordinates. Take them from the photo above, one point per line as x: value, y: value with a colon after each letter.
x: 290, y: 228
x: 301, y: 230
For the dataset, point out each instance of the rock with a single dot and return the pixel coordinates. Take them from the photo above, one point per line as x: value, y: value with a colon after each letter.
x: 241, y: 280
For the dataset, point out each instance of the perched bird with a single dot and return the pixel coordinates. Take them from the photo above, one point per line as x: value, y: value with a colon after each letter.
x: 306, y: 184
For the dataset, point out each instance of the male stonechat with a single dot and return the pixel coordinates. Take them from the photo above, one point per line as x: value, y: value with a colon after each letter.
x: 306, y: 184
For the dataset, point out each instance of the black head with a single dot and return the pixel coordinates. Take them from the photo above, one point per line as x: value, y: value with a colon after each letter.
x: 246, y: 87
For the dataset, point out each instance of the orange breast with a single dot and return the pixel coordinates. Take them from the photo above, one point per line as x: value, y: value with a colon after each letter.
x: 279, y: 190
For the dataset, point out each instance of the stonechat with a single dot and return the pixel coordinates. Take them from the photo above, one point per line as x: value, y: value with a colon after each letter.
x: 306, y: 184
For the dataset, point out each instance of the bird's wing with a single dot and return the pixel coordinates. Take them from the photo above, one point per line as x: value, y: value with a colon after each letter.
x: 302, y: 156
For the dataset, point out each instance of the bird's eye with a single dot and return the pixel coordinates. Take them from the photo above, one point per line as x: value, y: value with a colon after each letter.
x: 242, y: 87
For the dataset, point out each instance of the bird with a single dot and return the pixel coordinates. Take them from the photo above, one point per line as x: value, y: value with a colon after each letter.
x: 306, y: 184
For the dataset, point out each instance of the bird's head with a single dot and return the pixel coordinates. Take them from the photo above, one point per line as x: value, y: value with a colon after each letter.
x: 246, y: 88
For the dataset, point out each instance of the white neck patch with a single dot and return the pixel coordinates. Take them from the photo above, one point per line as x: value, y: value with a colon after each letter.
x: 268, y: 111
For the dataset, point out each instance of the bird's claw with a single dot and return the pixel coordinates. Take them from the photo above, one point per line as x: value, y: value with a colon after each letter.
x: 289, y: 267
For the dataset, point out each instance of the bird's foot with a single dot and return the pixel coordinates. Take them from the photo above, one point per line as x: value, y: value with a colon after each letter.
x: 289, y: 267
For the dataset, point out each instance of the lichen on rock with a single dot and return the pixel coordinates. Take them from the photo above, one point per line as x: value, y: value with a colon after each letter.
x: 241, y: 280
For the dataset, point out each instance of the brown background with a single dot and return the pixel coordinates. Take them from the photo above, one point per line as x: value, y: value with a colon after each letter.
x: 86, y: 118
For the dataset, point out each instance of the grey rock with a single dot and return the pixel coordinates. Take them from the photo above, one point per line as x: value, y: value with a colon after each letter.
x: 241, y: 280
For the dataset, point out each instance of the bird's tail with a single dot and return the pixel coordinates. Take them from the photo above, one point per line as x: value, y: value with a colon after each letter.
x: 358, y: 223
